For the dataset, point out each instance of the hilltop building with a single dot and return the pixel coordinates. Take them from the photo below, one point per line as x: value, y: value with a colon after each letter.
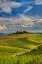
x: 19, y: 32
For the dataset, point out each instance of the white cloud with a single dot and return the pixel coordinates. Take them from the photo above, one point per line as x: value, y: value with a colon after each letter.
x: 8, y: 10
x: 25, y: 3
x: 38, y: 2
x: 21, y: 20
x: 26, y: 20
x: 28, y: 8
x: 40, y: 20
x: 2, y: 27
x: 7, y: 6
x: 24, y: 26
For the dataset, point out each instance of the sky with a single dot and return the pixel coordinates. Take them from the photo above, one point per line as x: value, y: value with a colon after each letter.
x: 20, y: 15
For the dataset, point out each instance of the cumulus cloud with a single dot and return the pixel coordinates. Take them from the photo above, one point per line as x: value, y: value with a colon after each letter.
x: 20, y: 21
x: 38, y: 2
x: 28, y: 8
x: 2, y: 27
x: 6, y: 6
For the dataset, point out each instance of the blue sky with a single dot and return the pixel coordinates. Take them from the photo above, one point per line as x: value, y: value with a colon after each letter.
x: 20, y: 14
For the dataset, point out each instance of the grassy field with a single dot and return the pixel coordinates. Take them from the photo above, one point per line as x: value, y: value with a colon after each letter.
x: 11, y: 45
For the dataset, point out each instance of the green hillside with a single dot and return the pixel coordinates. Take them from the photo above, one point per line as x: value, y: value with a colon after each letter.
x: 17, y: 49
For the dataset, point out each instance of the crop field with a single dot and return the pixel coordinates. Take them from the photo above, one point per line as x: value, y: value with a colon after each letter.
x: 21, y: 49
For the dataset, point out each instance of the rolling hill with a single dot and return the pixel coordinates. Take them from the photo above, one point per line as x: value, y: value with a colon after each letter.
x: 13, y: 46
